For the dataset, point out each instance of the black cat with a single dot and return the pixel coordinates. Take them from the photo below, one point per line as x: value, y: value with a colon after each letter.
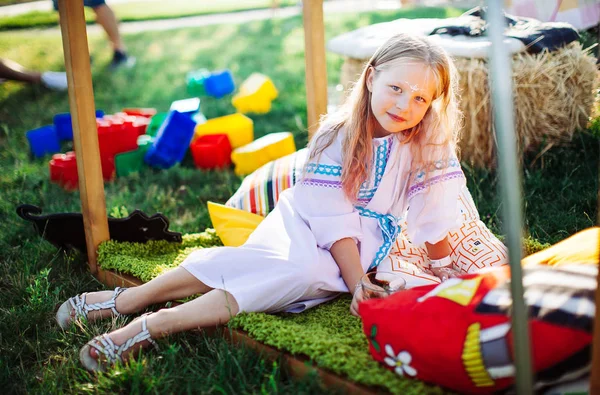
x: 65, y: 230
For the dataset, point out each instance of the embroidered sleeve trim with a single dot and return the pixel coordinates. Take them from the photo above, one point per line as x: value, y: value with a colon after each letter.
x: 432, y: 181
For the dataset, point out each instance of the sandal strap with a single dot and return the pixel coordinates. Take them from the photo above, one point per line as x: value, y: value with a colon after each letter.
x: 112, y: 352
x: 82, y: 308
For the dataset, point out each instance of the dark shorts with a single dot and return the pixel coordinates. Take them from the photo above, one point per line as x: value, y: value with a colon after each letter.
x: 87, y: 3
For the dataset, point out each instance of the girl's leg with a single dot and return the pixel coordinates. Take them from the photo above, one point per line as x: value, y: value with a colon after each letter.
x: 172, y: 285
x: 213, y: 308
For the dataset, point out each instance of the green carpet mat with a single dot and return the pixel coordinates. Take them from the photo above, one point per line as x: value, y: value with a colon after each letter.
x: 328, y: 334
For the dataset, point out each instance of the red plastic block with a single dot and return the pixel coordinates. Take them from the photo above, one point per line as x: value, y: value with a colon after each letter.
x: 63, y: 170
x: 141, y: 112
x: 114, y: 137
x: 211, y: 151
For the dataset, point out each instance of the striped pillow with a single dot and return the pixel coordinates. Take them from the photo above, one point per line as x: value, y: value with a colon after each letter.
x: 260, y: 190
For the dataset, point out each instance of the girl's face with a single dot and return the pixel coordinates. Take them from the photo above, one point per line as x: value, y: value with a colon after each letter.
x: 400, y: 95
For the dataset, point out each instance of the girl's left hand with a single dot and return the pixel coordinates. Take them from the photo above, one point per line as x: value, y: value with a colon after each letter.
x: 444, y: 273
x: 356, y: 299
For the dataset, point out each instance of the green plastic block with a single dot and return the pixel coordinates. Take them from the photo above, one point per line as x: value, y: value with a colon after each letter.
x: 155, y: 123
x: 133, y: 161
x: 195, y: 82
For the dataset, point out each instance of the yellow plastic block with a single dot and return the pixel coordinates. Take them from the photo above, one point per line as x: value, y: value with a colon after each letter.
x: 238, y: 127
x: 255, y: 95
x: 261, y: 151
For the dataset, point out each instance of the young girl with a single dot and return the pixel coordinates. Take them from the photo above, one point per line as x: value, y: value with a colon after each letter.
x: 391, y: 146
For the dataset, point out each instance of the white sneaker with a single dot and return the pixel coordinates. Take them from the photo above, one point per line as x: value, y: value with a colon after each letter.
x: 55, y: 80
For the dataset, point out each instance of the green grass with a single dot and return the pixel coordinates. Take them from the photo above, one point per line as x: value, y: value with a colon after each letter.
x: 35, y: 356
x: 142, y: 11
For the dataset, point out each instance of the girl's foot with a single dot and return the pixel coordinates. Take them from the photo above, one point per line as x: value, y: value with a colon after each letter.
x: 105, y: 350
x: 91, y: 306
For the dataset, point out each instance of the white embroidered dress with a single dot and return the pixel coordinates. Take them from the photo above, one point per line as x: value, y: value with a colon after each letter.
x: 285, y: 265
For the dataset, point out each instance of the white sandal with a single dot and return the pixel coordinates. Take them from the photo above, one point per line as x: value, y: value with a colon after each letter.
x: 110, y: 350
x: 64, y: 315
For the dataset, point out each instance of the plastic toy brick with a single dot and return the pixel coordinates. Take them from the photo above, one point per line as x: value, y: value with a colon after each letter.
x: 195, y: 82
x: 141, y: 125
x: 63, y: 170
x: 108, y: 167
x: 261, y: 151
x: 43, y: 141
x: 133, y: 161
x: 255, y: 95
x: 140, y: 112
x: 186, y: 106
x: 211, y: 151
x: 172, y: 141
x: 64, y: 126
x: 155, y: 123
x: 219, y: 84
x: 138, y: 123
x: 238, y: 127
x: 114, y: 137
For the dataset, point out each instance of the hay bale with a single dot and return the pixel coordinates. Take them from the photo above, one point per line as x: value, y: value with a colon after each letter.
x: 554, y: 94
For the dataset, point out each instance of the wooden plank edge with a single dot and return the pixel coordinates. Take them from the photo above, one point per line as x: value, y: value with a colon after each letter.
x: 298, y: 366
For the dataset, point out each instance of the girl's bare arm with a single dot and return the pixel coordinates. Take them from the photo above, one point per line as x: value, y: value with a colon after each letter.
x: 346, y: 255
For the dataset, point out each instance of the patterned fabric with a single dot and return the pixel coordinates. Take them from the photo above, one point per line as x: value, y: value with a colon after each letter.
x: 380, y: 159
x: 389, y: 230
x: 434, y: 173
x: 458, y: 334
x: 260, y: 190
x: 473, y: 246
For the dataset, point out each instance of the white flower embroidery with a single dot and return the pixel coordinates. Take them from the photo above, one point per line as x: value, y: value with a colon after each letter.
x: 400, y: 362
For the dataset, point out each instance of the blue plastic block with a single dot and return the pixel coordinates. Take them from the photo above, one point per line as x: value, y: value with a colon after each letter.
x: 219, y: 84
x: 186, y: 106
x: 64, y: 126
x: 43, y: 141
x: 172, y: 141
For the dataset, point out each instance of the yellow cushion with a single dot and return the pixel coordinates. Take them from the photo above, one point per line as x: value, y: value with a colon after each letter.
x: 581, y: 248
x: 232, y: 225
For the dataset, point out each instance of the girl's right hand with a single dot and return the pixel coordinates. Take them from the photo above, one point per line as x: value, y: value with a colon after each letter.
x: 356, y: 299
x: 444, y: 273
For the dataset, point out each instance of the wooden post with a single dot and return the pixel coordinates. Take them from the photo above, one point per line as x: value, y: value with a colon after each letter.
x: 85, y: 135
x: 316, y: 70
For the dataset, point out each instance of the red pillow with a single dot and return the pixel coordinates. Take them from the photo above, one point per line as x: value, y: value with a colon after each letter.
x: 458, y: 334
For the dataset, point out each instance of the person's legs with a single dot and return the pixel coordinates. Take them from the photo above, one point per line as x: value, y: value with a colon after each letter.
x: 216, y: 307
x: 10, y: 70
x: 172, y: 285
x: 106, y: 18
x: 15, y: 72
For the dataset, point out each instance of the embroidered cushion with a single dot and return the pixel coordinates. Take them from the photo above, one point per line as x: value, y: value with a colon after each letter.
x: 260, y: 190
x: 458, y: 334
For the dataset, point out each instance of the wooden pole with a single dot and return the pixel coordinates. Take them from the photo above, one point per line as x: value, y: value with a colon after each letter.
x: 85, y: 135
x: 595, y: 376
x: 316, y: 70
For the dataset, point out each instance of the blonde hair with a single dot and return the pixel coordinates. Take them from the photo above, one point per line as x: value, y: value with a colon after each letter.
x: 438, y: 129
